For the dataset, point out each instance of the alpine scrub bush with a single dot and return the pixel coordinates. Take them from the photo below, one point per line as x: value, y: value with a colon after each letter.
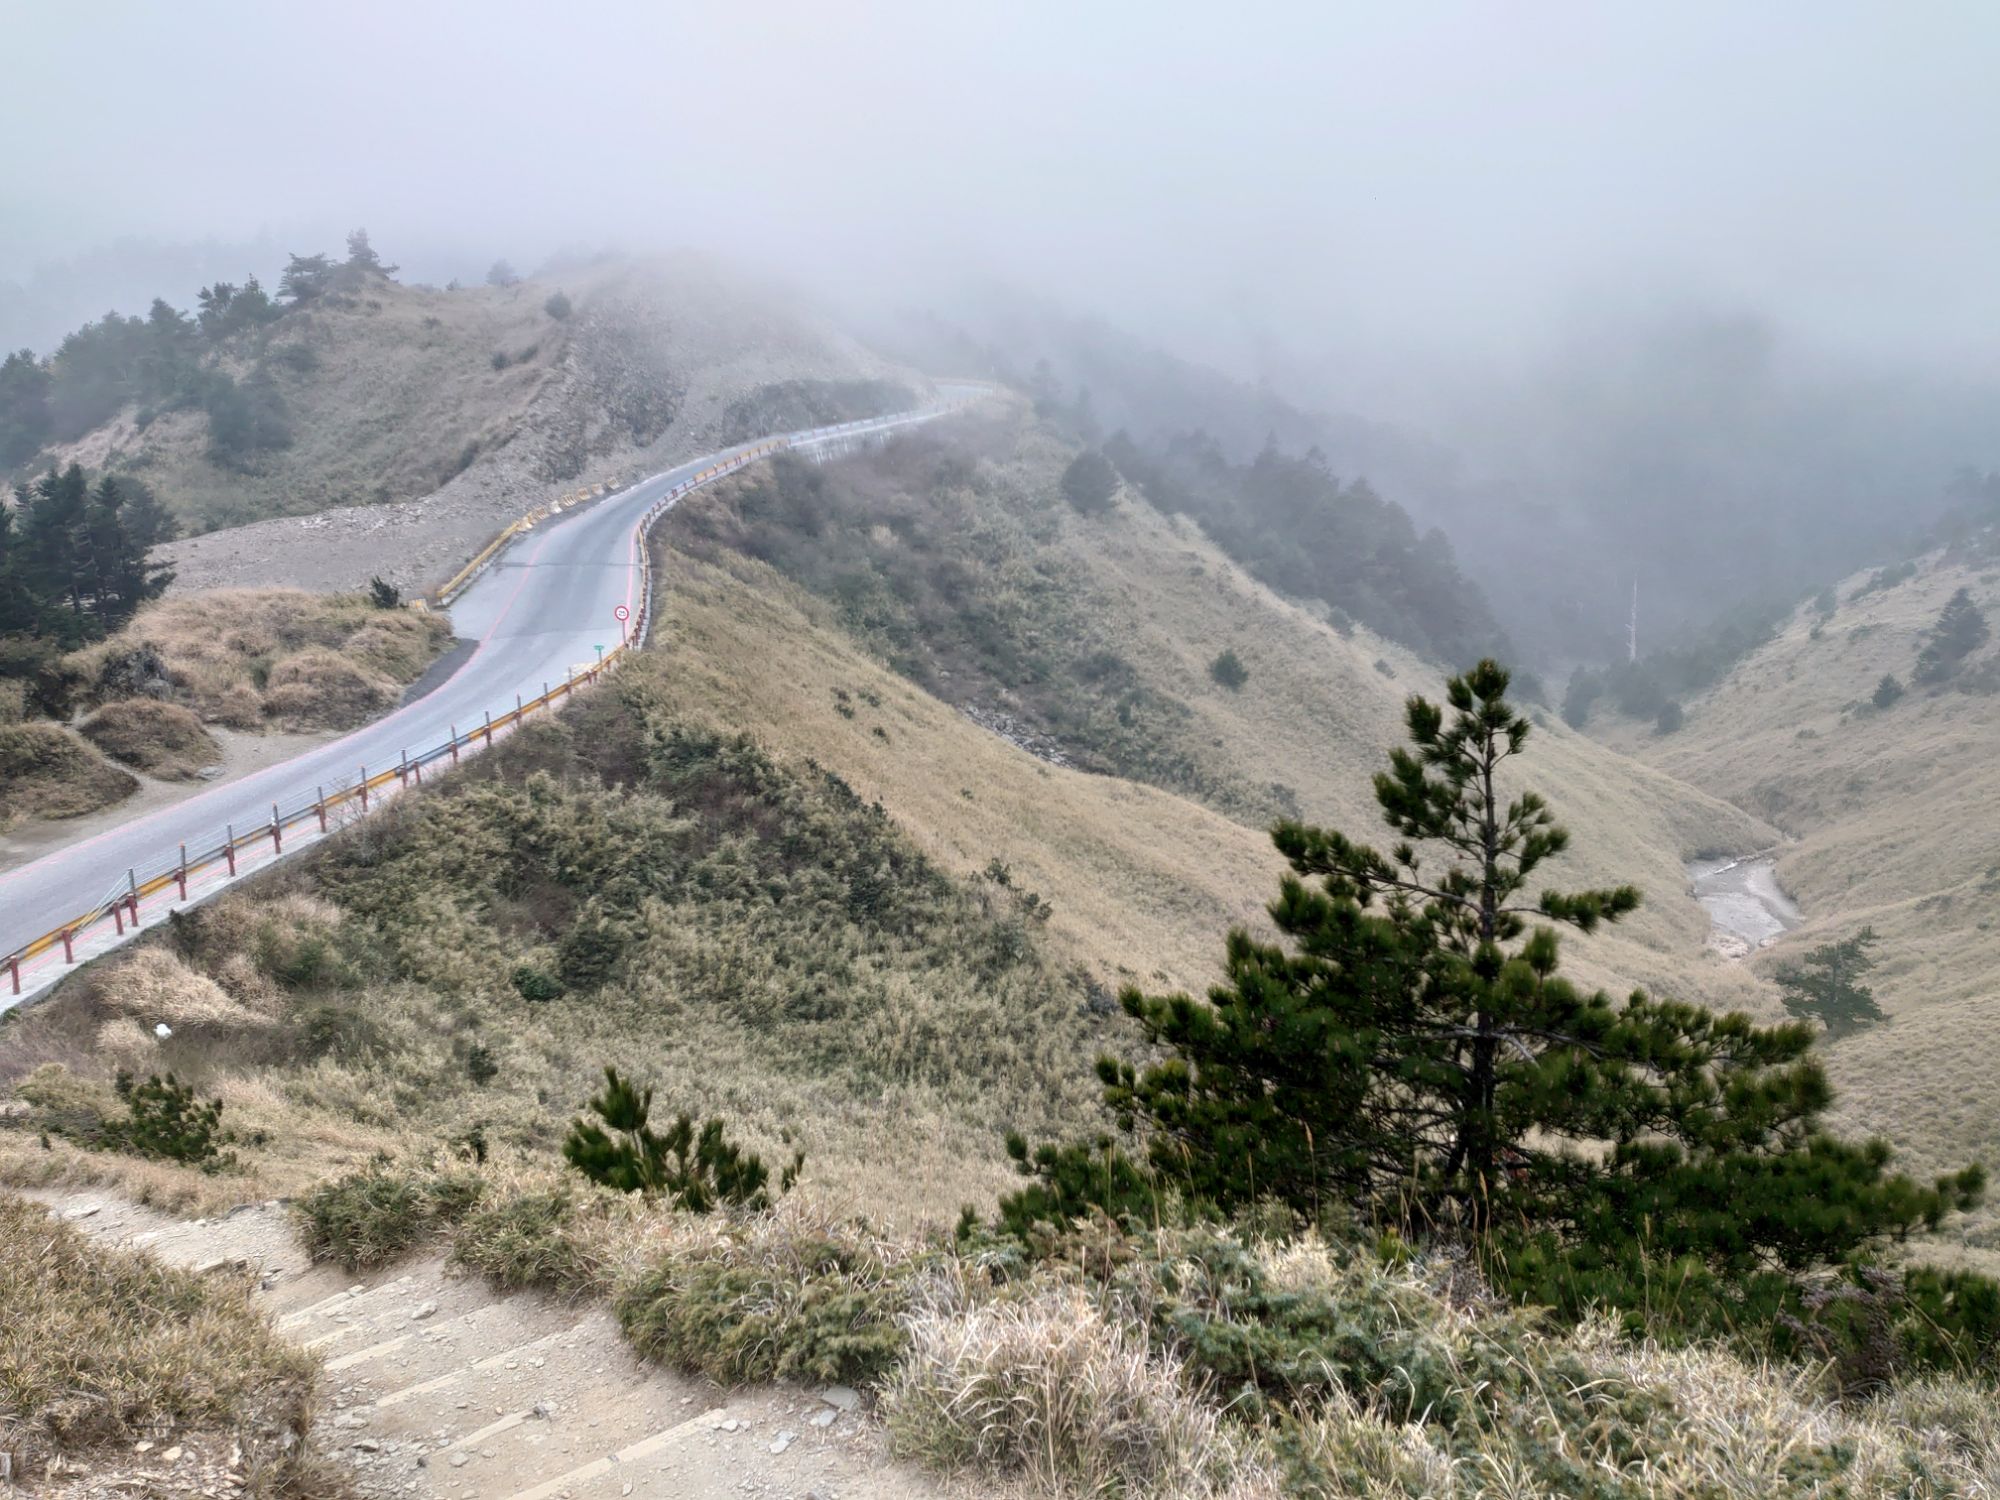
x: 369, y: 1218
x: 1051, y: 1387
x: 1228, y: 671
x: 788, y: 1294
x: 166, y: 1120
x: 532, y: 1238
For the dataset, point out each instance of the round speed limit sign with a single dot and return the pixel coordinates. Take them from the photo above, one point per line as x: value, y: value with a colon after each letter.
x: 621, y: 614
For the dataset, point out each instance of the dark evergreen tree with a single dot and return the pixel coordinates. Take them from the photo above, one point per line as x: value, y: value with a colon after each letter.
x: 51, y: 552
x: 361, y: 256
x: 1825, y: 986
x: 1887, y: 691
x: 1090, y: 482
x: 225, y: 309
x: 24, y: 408
x: 501, y: 274
x: 306, y: 277
x: 1411, y: 1052
x: 1960, y: 630
x: 17, y: 603
x: 697, y: 1168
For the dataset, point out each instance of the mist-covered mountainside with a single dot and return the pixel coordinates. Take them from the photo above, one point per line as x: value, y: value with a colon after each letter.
x: 1864, y: 729
x: 1700, y: 453
x: 339, y: 387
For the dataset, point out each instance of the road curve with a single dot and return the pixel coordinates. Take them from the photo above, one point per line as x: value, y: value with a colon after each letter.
x: 543, y: 608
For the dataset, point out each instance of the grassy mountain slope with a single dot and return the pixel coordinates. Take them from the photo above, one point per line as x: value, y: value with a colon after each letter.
x: 974, y: 517
x: 1893, y: 819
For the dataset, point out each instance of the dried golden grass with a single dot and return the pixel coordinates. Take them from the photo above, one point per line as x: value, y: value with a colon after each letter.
x: 99, y: 1346
x: 246, y: 658
x: 1051, y: 1389
x: 164, y: 740
x: 155, y: 987
x: 46, y: 772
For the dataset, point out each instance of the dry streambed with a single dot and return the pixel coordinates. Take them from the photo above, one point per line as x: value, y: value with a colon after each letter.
x: 1744, y: 901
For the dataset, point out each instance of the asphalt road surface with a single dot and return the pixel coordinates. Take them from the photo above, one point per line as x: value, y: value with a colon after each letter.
x: 544, y: 607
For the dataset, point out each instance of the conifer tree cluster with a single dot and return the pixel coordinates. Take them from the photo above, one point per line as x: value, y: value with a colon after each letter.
x: 73, y: 559
x: 1410, y: 1052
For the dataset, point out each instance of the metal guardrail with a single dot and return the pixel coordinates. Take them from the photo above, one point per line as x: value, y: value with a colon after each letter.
x: 317, y: 815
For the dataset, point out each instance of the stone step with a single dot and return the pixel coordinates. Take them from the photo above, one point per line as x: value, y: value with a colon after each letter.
x: 426, y: 1351
x: 490, y: 1430
x: 621, y: 1462
x: 796, y: 1444
x: 407, y: 1305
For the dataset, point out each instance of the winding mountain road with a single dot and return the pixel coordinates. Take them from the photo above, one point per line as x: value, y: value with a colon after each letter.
x: 545, y: 607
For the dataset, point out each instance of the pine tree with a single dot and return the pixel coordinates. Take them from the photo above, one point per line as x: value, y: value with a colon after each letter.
x: 24, y: 407
x: 698, y: 1169
x: 306, y: 277
x: 17, y: 605
x: 1090, y: 483
x: 1410, y: 1052
x: 1960, y: 630
x: 361, y: 255
x: 1826, y: 986
x: 52, y: 557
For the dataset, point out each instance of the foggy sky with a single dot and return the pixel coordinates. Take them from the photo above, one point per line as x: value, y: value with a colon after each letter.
x: 1376, y: 200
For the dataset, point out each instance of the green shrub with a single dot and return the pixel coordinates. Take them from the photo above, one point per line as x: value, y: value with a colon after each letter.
x: 480, y: 1065
x: 1228, y: 670
x: 535, y: 984
x: 166, y: 1121
x: 774, y: 1307
x: 1669, y: 719
x: 1887, y: 691
x: 368, y: 1218
x: 384, y: 595
x: 525, y: 1240
x: 557, y: 306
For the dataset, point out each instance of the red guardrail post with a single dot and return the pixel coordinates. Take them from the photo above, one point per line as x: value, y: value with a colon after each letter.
x: 320, y: 806
x: 403, y: 771
x: 182, y: 873
x: 69, y: 954
x: 277, y: 831
x: 454, y: 744
x: 14, y: 968
x: 229, y: 850
x: 132, y: 885
x: 364, y: 789
x: 118, y: 915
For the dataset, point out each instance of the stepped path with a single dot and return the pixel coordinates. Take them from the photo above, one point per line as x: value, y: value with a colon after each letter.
x: 437, y: 1386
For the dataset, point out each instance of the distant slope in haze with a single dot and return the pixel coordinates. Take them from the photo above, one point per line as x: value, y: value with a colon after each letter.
x: 1894, y: 822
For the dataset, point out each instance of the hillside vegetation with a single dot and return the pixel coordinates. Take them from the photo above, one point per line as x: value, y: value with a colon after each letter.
x: 617, y: 886
x: 955, y: 565
x: 1892, y: 821
x: 852, y: 861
